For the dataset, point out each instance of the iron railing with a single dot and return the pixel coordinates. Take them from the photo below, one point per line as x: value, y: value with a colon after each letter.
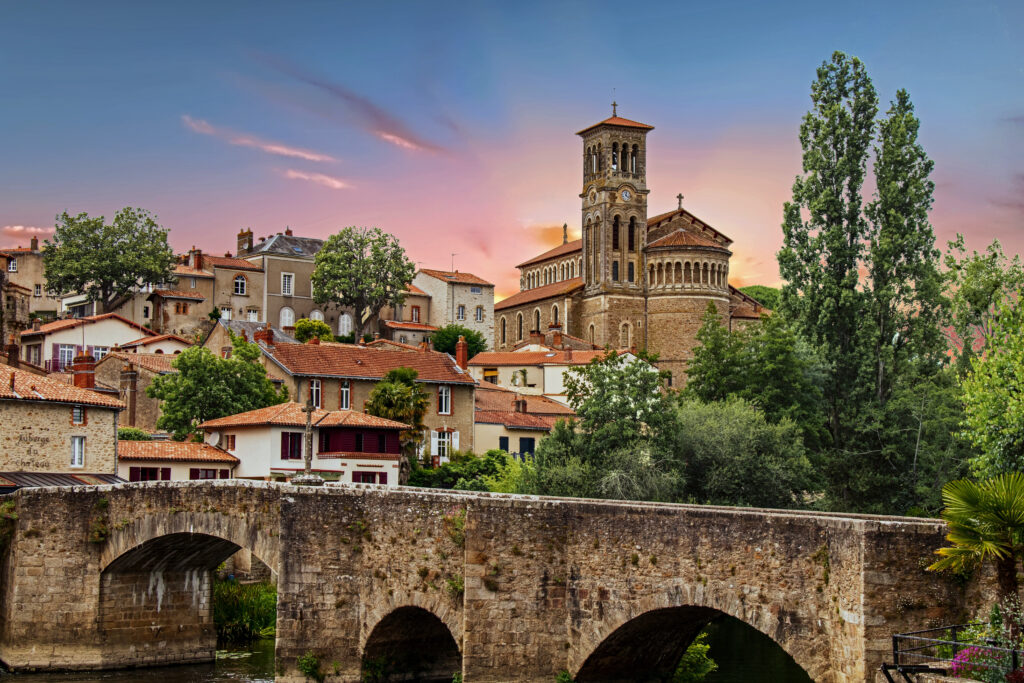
x: 941, y: 650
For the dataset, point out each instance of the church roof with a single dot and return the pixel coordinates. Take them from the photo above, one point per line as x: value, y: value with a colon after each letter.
x: 539, y: 293
x: 617, y: 121
x: 560, y: 250
x: 685, y: 238
x: 669, y: 215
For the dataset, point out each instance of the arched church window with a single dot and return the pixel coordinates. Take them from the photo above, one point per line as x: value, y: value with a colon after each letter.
x: 687, y: 274
x: 519, y: 327
x: 615, y: 233
x: 625, y: 157
x: 554, y: 314
x: 615, y: 156
x: 631, y: 273
x: 615, y: 271
x: 632, y: 159
x: 503, y: 331
x: 592, y: 334
x: 536, y: 320
x: 624, y: 336
x: 632, y: 234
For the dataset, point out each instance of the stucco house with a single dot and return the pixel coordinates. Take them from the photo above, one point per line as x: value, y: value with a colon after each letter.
x: 55, y: 344
x: 164, y: 460
x: 528, y: 371
x: 514, y: 422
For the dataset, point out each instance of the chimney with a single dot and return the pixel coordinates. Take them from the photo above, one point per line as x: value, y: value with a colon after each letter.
x: 536, y: 337
x: 568, y: 354
x: 556, y: 334
x: 35, y: 244
x: 83, y: 367
x: 36, y: 324
x: 195, y: 258
x: 244, y: 241
x: 462, y: 353
x: 423, y: 346
x: 315, y: 341
x: 265, y: 335
x: 520, y: 405
x: 12, y: 381
x: 287, y: 231
x: 129, y: 392
x: 12, y: 350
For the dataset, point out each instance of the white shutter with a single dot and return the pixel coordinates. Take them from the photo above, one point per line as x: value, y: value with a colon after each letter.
x: 433, y: 443
x: 455, y: 441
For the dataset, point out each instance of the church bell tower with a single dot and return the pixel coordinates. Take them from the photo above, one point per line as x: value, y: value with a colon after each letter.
x: 614, y: 205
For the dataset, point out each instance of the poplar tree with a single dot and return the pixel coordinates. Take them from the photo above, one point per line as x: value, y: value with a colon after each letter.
x: 824, y: 228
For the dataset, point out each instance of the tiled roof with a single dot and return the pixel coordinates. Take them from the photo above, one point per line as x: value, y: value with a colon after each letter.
x: 288, y: 245
x: 172, y: 451
x: 745, y: 311
x: 291, y: 414
x: 31, y: 387
x: 491, y: 397
x: 231, y: 262
x: 68, y: 323
x: 416, y: 327
x: 514, y: 420
x: 390, y: 342
x: 29, y: 479
x: 560, y: 250
x: 669, y: 215
x: 456, y: 276
x: 159, y: 363
x: 250, y: 329
x: 413, y: 289
x: 524, y: 358
x: 538, y: 293
x: 178, y: 294
x: 20, y: 250
x: 146, y: 341
x: 617, y: 121
x: 349, y: 360
x: 685, y: 238
x: 189, y: 271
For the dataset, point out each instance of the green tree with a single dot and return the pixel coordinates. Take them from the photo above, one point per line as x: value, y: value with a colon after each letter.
x: 769, y: 297
x: 993, y: 396
x: 398, y: 396
x: 720, y: 360
x: 306, y: 329
x: 133, y: 434
x: 824, y: 229
x: 465, y: 471
x: 986, y: 524
x: 733, y: 456
x: 364, y: 269
x: 206, y: 387
x: 106, y: 262
x: 445, y: 338
x: 696, y: 663
x: 906, y: 306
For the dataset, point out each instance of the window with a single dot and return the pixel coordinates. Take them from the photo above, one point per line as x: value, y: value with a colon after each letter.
x: 536, y: 320
x: 554, y: 314
x: 444, y: 400
x: 192, y: 283
x: 181, y: 308
x: 78, y: 451
x: 632, y: 234
x: 491, y: 375
x: 12, y: 266
x: 503, y: 332
x: 149, y: 474
x: 38, y: 291
x: 630, y: 271
x: 370, y: 478
x: 402, y: 339
x: 291, y: 445
x: 526, y: 445
x: 65, y: 354
x: 78, y: 415
x: 359, y: 444
x: 99, y: 351
x: 615, y: 271
x: 615, y: 233
x: 443, y: 440
x: 479, y: 316
x: 519, y: 327
x: 253, y: 315
x: 314, y: 391
x: 287, y: 282
x: 225, y: 313
x: 316, y: 315
x: 203, y: 473
x: 145, y: 312
x: 345, y: 398
x: 382, y: 443
x: 287, y: 317
x: 460, y: 312
x: 415, y: 314
x: 475, y: 290
x: 344, y: 324
x: 229, y: 442
x: 503, y: 443
x: 240, y: 285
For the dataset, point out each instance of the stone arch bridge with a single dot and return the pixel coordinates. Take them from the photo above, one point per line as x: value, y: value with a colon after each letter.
x: 498, y: 587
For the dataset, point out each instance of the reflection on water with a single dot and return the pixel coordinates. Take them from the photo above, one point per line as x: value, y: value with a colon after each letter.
x: 744, y: 654
x: 248, y: 664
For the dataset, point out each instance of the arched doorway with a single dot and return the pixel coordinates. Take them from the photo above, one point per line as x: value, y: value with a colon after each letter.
x: 411, y: 644
x: 649, y: 648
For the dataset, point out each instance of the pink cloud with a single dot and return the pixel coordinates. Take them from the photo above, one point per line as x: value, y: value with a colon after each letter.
x: 318, y: 178
x: 244, y: 140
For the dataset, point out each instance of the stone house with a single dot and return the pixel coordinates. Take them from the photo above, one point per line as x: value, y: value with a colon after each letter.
x: 341, y: 377
x: 219, y: 338
x: 514, y: 422
x: 15, y: 301
x: 128, y: 375
x: 533, y: 372
x: 79, y: 442
x: 25, y: 269
x: 348, y: 446
x: 164, y: 460
x: 407, y: 323
x: 458, y: 298
x: 53, y: 345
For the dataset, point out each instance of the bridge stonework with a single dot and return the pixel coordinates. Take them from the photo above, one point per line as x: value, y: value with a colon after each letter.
x: 498, y: 587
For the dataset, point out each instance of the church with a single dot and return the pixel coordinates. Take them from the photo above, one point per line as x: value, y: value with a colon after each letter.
x: 633, y: 280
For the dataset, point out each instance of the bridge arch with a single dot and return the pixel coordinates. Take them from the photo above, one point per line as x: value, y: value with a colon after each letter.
x: 411, y: 641
x: 647, y: 638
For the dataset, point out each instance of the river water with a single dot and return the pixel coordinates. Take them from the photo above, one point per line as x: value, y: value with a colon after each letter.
x: 742, y: 654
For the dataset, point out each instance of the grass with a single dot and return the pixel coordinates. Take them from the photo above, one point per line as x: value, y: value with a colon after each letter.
x: 244, y: 612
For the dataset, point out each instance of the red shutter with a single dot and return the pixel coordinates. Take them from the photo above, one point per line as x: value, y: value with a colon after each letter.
x: 134, y: 474
x: 165, y: 473
x: 193, y: 473
x: 55, y: 358
x: 285, y: 442
x: 225, y: 474
x: 382, y: 478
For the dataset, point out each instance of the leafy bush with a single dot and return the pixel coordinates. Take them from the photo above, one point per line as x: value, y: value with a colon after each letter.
x: 466, y: 472
x: 306, y: 329
x: 244, y: 612
x: 695, y: 664
x: 133, y: 434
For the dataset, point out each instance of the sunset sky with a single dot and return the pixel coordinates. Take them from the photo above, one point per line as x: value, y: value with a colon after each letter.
x: 451, y: 125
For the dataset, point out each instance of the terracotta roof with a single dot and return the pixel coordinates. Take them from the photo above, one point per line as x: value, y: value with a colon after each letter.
x: 172, y: 451
x: 232, y: 263
x: 291, y: 415
x: 62, y: 377
x: 456, y: 276
x: 349, y: 360
x: 416, y: 327
x: 68, y: 323
x: 560, y: 250
x: 617, y: 121
x: 31, y: 387
x: 668, y: 215
x: 491, y: 397
x: 685, y: 238
x: 537, y: 293
x: 413, y: 289
x: 390, y: 342
x: 19, y: 250
x: 514, y: 420
x: 523, y: 358
x: 745, y: 311
x: 178, y: 294
x: 146, y: 341
x: 182, y: 269
x: 159, y: 363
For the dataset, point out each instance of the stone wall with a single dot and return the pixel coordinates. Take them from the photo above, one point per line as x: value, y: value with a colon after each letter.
x: 24, y: 447
x: 673, y: 321
x: 605, y: 590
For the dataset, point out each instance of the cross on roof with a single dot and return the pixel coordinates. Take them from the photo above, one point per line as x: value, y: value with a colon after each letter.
x: 680, y: 198
x: 615, y: 106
